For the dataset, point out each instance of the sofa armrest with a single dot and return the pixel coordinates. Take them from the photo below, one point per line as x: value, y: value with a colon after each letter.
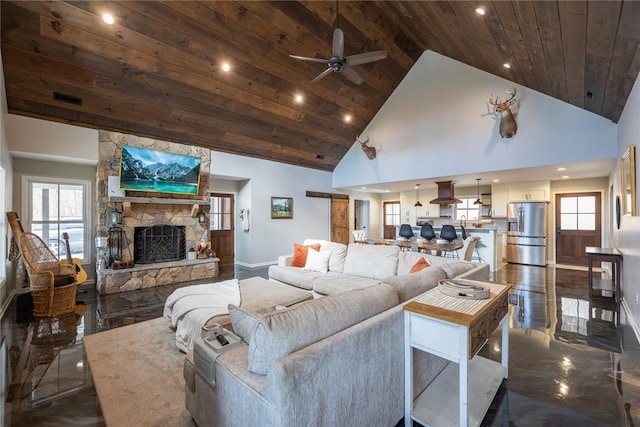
x: 285, y: 260
x: 481, y: 272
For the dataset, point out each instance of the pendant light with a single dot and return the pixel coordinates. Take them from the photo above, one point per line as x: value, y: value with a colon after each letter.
x: 418, y: 204
x: 478, y: 201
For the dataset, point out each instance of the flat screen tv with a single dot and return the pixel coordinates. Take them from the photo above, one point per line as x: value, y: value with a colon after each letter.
x: 150, y: 170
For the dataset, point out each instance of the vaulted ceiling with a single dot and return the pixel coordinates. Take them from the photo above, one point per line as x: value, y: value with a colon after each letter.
x: 157, y: 71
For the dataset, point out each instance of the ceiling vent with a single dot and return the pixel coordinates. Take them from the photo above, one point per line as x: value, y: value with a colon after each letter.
x: 69, y: 99
x: 445, y: 194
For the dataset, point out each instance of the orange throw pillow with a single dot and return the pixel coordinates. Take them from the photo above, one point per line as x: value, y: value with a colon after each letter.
x: 421, y: 264
x: 300, y: 254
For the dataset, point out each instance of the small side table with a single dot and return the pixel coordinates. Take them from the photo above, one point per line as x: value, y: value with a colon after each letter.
x: 455, y: 329
x: 613, y: 256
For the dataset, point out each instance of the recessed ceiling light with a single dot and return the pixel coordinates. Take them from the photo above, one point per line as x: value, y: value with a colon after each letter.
x: 298, y: 99
x: 561, y: 169
x: 108, y: 18
x: 506, y: 65
x: 480, y: 11
x: 496, y: 180
x: 347, y: 118
x: 364, y: 188
x: 565, y: 176
x: 226, y: 67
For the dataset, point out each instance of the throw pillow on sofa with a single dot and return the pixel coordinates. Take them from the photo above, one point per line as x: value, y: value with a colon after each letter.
x: 281, y: 333
x: 421, y: 264
x: 317, y: 261
x: 300, y: 253
x: 455, y: 269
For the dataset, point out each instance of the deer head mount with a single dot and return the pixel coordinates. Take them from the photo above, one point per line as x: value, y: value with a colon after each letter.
x: 368, y: 150
x: 508, y: 125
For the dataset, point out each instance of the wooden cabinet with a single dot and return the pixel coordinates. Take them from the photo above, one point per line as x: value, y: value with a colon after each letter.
x: 499, y: 200
x: 529, y: 191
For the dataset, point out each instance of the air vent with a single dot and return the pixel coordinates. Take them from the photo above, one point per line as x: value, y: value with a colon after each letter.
x: 69, y: 99
x: 320, y: 156
x: 590, y: 94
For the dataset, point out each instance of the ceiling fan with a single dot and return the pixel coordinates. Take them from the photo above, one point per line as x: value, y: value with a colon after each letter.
x: 342, y: 64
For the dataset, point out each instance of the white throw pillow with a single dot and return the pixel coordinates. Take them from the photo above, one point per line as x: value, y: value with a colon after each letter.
x: 317, y: 261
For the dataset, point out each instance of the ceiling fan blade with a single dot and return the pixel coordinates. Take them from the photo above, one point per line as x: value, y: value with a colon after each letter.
x: 306, y: 58
x: 322, y: 74
x: 351, y: 75
x: 363, y: 58
x: 338, y: 43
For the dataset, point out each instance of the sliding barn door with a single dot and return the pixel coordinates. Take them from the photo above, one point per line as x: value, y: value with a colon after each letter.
x: 340, y: 220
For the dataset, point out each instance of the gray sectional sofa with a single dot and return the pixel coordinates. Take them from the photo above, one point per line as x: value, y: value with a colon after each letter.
x: 359, y: 266
x: 334, y: 360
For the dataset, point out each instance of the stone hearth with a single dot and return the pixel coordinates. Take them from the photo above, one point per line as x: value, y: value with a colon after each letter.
x: 159, y: 274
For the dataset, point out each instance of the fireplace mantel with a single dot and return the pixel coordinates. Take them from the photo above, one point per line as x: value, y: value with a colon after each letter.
x: 158, y: 200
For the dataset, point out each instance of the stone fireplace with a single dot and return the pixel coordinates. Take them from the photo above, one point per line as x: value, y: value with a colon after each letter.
x: 158, y: 228
x: 159, y: 243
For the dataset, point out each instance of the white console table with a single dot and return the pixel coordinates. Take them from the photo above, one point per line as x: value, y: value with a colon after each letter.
x: 455, y: 329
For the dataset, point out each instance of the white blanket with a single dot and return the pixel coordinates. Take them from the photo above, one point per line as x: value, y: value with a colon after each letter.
x: 189, y: 308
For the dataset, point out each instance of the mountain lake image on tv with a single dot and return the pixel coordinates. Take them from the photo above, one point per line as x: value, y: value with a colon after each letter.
x: 149, y: 170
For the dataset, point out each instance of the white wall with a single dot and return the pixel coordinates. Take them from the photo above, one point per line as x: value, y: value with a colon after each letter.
x: 438, y: 123
x: 46, y: 140
x: 269, y: 238
x: 6, y: 163
x: 627, y: 239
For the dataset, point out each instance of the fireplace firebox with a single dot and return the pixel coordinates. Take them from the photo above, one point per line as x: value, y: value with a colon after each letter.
x: 159, y: 243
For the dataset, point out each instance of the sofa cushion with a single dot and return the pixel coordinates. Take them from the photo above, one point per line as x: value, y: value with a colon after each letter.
x: 373, y: 261
x: 300, y: 254
x: 413, y: 284
x: 342, y: 283
x: 317, y: 261
x: 338, y: 253
x: 283, y: 332
x: 454, y: 269
x: 294, y: 276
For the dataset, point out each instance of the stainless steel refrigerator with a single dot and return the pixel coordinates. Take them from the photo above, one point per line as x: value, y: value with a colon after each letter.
x: 527, y: 233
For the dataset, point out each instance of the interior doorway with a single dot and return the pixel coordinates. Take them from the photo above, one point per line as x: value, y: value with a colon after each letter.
x: 391, y: 214
x: 578, y: 225
x: 361, y: 216
x: 222, y: 230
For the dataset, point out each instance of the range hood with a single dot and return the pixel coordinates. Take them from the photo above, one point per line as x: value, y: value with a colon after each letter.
x: 445, y: 194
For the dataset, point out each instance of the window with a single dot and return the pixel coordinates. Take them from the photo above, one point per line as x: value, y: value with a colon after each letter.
x: 221, y: 213
x: 468, y: 209
x: 578, y: 213
x: 58, y: 211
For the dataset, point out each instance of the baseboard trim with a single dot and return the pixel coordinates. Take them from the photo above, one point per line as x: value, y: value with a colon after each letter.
x: 634, y: 326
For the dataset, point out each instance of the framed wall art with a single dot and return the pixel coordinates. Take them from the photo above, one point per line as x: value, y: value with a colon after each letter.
x: 628, y: 181
x: 281, y: 207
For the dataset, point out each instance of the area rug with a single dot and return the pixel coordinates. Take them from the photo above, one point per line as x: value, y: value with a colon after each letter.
x: 137, y: 372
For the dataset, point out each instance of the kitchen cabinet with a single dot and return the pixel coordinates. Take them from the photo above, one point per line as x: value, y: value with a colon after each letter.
x: 529, y: 191
x: 499, y: 200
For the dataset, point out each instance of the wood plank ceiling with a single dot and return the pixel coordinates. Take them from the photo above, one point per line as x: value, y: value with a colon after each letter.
x: 157, y: 70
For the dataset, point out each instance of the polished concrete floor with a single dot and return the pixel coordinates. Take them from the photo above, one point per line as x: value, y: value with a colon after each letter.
x: 573, y: 362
